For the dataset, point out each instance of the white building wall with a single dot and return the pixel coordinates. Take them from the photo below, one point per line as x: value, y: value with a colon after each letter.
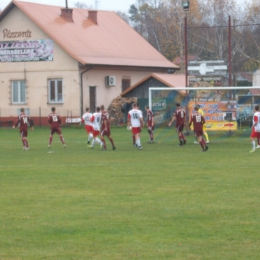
x: 37, y: 73
x: 105, y: 94
x: 256, y: 78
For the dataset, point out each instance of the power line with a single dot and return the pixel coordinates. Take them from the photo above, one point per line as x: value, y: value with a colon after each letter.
x: 217, y: 26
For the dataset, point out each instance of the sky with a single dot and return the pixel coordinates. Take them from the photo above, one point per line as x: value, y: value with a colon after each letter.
x: 110, y: 5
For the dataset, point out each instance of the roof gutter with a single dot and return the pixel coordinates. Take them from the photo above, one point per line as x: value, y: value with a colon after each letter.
x: 81, y: 88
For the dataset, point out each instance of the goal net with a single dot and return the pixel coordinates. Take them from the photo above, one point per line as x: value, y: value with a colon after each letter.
x: 227, y: 109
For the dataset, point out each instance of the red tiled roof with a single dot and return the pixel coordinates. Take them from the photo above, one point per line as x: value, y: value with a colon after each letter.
x: 247, y: 76
x: 254, y: 91
x: 179, y: 60
x: 109, y: 42
x: 170, y: 80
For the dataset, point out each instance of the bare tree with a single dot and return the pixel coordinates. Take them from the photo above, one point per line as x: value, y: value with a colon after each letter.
x: 161, y: 23
x: 250, y: 35
x: 82, y: 5
x: 137, y: 16
x: 124, y: 16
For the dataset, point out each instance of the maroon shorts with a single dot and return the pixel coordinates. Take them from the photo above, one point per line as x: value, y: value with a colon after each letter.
x: 55, y: 130
x: 136, y: 130
x: 198, y: 133
x: 106, y: 133
x: 23, y: 133
x: 179, y: 128
x: 89, y: 128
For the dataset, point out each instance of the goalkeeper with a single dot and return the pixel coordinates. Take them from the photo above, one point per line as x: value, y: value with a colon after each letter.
x: 200, y: 111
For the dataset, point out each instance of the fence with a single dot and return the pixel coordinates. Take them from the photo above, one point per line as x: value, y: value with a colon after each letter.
x: 8, y: 117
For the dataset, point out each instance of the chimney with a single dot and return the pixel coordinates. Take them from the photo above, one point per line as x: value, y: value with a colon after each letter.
x: 66, y: 13
x: 92, y: 15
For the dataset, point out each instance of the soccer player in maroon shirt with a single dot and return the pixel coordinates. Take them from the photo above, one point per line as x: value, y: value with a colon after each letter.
x: 24, y: 120
x: 150, y: 123
x: 198, y: 121
x: 179, y: 115
x: 105, y: 128
x: 55, y: 121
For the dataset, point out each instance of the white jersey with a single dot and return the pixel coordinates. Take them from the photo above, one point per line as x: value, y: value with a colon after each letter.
x: 87, y: 118
x: 256, y: 118
x: 96, y: 121
x: 134, y: 116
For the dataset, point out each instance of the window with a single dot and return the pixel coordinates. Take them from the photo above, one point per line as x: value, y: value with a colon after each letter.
x: 18, y: 92
x: 55, y: 91
x: 125, y: 84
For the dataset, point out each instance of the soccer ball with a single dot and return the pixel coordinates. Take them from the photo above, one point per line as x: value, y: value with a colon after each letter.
x: 129, y: 127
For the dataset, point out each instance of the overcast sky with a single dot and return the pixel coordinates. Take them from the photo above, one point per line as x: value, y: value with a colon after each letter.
x: 110, y: 5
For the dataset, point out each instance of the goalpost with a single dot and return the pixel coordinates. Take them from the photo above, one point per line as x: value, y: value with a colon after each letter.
x: 225, y: 108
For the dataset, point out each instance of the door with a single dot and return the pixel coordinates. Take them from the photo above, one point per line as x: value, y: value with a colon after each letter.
x: 92, y: 98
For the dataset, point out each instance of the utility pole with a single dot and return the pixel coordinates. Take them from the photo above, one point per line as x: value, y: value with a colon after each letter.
x: 186, y: 51
x: 229, y: 53
x: 186, y: 6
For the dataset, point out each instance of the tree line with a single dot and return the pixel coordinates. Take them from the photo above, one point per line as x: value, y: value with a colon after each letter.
x: 161, y: 23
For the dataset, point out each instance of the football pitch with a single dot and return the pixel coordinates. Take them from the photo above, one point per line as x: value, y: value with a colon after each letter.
x: 164, y: 202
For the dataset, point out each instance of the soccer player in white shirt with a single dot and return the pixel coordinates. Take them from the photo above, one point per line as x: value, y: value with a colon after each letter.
x: 133, y: 136
x: 86, y: 118
x: 135, y: 118
x: 96, y: 121
x: 255, y: 129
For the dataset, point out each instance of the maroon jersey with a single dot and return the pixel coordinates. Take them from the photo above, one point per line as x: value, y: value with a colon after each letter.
x: 105, y: 121
x: 198, y: 120
x: 180, y: 116
x: 24, y: 120
x: 54, y: 120
x: 149, y: 114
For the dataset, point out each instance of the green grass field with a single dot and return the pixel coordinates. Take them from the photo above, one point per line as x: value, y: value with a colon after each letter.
x: 164, y: 202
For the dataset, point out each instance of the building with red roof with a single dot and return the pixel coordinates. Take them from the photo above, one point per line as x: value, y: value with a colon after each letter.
x: 69, y: 58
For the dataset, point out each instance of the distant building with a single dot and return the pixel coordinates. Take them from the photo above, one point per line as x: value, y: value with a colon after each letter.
x: 180, y: 61
x: 256, y: 78
x: 244, y: 79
